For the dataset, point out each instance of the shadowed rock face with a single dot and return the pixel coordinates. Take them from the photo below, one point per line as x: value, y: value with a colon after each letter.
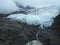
x: 56, y: 24
x: 45, y: 35
x: 56, y: 27
x: 16, y: 33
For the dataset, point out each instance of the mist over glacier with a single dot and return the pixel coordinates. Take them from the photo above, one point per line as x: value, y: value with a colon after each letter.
x: 38, y: 3
x: 43, y: 12
x: 7, y: 6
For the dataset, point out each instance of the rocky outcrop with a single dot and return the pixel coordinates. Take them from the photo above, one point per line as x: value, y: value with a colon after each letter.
x: 56, y: 27
x: 16, y: 33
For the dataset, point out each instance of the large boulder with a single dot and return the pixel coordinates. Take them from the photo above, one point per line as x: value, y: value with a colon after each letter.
x: 34, y: 42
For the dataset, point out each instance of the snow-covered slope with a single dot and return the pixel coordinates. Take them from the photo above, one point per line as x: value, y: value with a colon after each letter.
x: 38, y: 3
x: 7, y: 6
x: 43, y: 16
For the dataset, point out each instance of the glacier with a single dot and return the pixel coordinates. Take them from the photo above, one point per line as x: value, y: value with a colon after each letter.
x: 42, y: 16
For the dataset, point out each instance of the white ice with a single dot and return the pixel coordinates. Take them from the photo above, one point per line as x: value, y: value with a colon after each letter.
x: 42, y: 16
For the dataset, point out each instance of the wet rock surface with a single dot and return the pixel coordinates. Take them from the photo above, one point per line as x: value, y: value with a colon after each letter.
x: 17, y: 33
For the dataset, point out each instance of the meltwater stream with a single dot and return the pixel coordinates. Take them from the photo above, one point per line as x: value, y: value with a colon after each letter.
x: 37, y: 34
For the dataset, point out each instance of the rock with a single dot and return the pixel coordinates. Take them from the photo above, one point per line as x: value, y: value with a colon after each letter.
x: 56, y: 27
x: 16, y: 33
x: 34, y: 42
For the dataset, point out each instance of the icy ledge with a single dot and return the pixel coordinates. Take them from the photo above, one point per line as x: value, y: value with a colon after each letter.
x: 42, y: 16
